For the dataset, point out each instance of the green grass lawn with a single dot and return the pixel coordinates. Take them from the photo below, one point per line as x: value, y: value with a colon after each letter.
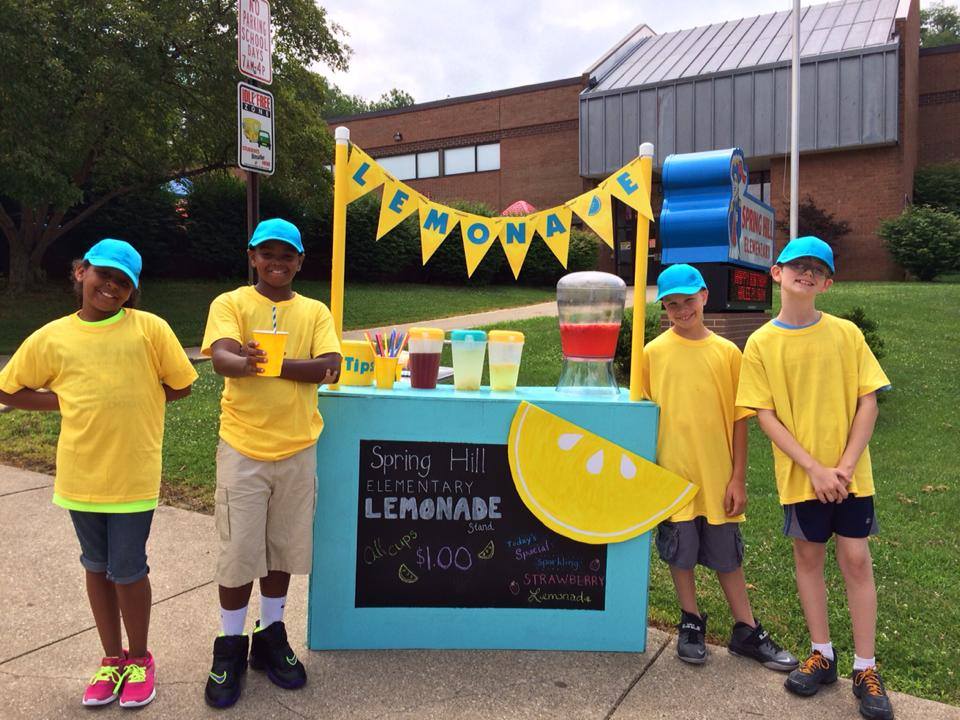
x: 184, y: 304
x: 914, y: 451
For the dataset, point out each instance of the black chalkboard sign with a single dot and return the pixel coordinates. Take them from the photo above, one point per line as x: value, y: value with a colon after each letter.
x: 441, y: 525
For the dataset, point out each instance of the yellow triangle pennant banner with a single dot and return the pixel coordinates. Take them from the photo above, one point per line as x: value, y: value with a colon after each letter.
x: 554, y: 227
x: 516, y: 237
x: 398, y: 203
x: 595, y: 208
x: 363, y: 174
x: 478, y: 235
x: 627, y: 184
x: 436, y: 222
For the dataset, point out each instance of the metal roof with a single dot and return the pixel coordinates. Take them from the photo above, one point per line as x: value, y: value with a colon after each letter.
x: 846, y: 25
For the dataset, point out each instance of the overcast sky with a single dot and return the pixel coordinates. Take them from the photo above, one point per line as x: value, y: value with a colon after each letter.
x: 435, y: 49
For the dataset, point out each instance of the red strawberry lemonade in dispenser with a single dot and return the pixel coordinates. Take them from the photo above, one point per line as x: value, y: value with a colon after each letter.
x: 590, y: 308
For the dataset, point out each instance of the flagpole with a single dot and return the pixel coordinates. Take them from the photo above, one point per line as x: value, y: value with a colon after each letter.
x: 342, y: 136
x: 641, y: 249
x: 794, y: 121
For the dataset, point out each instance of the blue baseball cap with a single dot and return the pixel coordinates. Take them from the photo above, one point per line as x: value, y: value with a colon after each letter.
x: 679, y: 279
x: 117, y: 254
x: 277, y: 229
x: 807, y: 246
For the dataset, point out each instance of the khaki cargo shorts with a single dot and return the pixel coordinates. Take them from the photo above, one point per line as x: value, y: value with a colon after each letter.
x: 264, y: 514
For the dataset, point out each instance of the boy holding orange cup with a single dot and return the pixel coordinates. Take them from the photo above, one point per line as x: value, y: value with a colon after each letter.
x: 266, y: 459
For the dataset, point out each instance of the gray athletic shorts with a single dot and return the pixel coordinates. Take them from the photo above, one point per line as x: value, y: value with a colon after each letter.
x: 685, y: 544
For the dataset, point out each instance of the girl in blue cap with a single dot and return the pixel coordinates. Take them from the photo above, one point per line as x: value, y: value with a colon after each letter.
x: 108, y: 369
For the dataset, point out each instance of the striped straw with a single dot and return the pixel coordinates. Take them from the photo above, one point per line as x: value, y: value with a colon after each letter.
x: 274, y: 319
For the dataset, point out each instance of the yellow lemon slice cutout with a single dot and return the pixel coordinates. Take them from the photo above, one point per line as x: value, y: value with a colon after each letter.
x: 584, y: 487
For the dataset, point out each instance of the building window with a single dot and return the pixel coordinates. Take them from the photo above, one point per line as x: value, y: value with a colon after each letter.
x: 457, y: 161
x: 760, y: 187
x: 402, y: 167
x: 488, y: 157
x: 428, y: 164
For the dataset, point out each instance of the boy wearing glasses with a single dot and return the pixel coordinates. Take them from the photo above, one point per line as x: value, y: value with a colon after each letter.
x: 813, y: 382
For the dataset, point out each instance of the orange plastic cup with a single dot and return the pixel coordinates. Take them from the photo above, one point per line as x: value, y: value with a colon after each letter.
x: 274, y: 345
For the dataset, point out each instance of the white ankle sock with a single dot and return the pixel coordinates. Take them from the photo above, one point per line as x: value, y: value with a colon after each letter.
x: 271, y: 610
x: 860, y: 663
x: 826, y: 649
x: 232, y: 621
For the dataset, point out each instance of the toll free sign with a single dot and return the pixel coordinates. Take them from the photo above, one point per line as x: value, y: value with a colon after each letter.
x: 256, y: 141
x: 253, y: 40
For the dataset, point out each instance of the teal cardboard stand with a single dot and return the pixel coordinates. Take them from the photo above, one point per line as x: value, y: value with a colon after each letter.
x: 421, y: 541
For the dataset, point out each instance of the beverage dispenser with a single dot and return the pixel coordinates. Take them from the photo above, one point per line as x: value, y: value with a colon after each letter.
x: 590, y: 308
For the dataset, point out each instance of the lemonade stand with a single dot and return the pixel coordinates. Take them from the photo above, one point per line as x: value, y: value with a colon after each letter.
x: 516, y: 519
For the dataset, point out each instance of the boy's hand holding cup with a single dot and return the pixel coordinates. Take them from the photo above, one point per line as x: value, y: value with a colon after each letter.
x: 254, y: 357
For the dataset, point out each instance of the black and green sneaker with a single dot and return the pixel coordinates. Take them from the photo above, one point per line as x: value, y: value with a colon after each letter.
x: 229, y: 666
x: 271, y: 652
x: 813, y: 672
x: 869, y: 689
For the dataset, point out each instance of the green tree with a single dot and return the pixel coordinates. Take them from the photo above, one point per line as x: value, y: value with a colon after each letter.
x: 939, y: 25
x: 101, y: 98
x: 337, y: 103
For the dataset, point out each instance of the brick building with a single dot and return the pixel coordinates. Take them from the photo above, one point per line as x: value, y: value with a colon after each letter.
x: 873, y: 107
x: 939, y: 104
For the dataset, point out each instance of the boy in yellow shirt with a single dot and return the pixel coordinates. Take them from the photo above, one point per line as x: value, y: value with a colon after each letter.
x: 266, y: 459
x: 692, y: 374
x: 813, y: 382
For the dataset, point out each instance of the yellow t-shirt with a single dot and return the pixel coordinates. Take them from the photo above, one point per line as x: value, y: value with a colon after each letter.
x: 108, y: 380
x: 811, y: 377
x: 270, y: 418
x: 695, y: 384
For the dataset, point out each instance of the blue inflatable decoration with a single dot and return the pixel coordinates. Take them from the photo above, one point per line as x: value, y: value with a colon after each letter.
x: 709, y: 217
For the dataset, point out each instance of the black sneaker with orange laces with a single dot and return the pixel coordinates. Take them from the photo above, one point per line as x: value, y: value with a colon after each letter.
x: 874, y: 701
x: 813, y: 672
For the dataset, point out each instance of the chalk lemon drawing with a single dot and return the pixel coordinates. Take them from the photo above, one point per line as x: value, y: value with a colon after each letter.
x: 487, y: 551
x: 585, y: 487
x: 406, y: 574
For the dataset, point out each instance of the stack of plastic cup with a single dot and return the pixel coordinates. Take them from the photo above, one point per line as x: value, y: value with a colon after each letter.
x: 469, y: 347
x: 506, y: 346
x: 425, y: 346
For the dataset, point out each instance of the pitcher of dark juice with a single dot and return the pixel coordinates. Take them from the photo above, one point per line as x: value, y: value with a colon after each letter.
x: 425, y: 345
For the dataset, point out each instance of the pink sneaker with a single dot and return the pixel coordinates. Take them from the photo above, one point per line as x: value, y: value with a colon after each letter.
x: 138, y: 682
x: 105, y: 683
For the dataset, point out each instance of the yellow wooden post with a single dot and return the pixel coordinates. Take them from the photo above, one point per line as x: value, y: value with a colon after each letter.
x: 641, y: 248
x: 342, y: 137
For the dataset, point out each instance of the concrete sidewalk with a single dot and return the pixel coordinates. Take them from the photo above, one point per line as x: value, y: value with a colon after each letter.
x: 49, y: 649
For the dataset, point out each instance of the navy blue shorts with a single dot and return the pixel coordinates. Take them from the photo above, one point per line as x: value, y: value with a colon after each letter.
x: 815, y: 521
x: 114, y: 543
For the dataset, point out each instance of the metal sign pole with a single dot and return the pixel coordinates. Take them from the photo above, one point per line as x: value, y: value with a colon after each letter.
x: 253, y: 214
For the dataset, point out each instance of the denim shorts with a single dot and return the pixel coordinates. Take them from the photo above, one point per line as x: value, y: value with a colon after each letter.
x: 114, y: 543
